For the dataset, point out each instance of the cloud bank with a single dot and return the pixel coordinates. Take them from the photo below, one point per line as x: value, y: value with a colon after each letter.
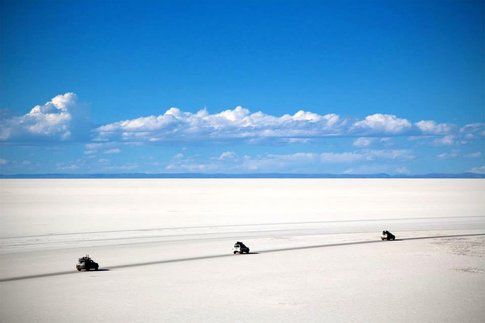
x: 240, y: 124
x: 59, y: 119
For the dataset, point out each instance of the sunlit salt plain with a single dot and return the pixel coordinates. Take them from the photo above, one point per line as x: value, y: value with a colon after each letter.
x: 165, y: 249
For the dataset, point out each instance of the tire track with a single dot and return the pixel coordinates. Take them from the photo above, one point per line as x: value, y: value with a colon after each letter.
x: 262, y: 252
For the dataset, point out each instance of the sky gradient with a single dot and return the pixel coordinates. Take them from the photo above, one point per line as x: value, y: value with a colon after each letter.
x: 351, y: 87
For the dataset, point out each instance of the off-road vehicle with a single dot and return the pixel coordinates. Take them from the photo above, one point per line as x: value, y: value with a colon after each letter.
x: 240, y: 248
x: 386, y: 235
x: 86, y: 263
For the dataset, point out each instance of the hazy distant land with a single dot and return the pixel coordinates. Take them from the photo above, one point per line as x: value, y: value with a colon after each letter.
x: 254, y: 175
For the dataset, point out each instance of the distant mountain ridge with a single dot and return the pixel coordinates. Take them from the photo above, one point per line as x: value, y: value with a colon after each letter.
x: 221, y: 175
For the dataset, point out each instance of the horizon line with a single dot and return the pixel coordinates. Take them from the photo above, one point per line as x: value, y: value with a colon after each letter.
x: 233, y: 175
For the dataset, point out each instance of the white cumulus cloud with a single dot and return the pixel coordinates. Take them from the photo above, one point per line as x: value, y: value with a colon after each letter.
x: 431, y: 127
x: 238, y: 123
x: 363, y: 142
x: 383, y: 123
x: 227, y: 155
x: 473, y: 131
x: 51, y: 120
x: 445, y: 141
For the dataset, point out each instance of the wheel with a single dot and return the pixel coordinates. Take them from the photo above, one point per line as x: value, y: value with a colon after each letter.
x: 96, y: 268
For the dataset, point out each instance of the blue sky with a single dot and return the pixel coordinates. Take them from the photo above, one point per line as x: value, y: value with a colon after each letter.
x: 242, y: 87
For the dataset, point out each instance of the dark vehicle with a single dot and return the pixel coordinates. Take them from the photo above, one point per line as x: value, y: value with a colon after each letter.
x: 386, y: 235
x: 86, y: 263
x: 240, y: 248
